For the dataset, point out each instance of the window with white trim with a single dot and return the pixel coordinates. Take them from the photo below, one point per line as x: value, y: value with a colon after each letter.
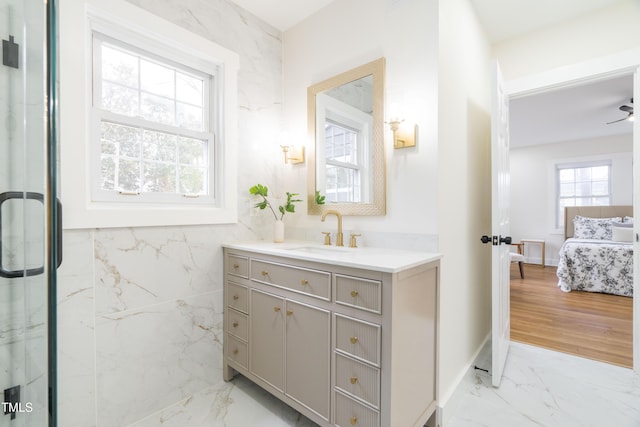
x: 345, y: 157
x: 582, y: 184
x: 154, y: 125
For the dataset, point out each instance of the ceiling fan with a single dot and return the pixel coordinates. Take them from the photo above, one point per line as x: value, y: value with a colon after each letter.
x: 627, y: 109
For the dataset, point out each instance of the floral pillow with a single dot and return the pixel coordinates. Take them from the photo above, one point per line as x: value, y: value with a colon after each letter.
x: 593, y: 228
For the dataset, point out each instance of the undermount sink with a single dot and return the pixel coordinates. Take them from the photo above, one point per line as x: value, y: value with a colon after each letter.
x: 322, y: 250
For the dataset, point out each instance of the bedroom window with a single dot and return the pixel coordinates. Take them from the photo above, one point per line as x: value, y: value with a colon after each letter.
x: 585, y: 184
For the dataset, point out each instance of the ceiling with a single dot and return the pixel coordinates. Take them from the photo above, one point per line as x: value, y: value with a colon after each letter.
x: 282, y: 14
x: 502, y: 19
x: 569, y: 114
x: 574, y: 113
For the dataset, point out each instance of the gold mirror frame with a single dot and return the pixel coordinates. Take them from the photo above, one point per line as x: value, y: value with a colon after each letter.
x: 377, y: 205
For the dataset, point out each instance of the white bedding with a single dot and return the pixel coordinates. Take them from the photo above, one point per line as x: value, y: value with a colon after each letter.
x: 596, y: 266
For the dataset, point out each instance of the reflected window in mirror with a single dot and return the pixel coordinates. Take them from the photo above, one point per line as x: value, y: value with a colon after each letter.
x: 344, y: 172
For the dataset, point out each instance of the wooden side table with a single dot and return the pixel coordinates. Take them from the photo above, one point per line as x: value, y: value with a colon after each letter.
x: 518, y: 247
x: 536, y: 241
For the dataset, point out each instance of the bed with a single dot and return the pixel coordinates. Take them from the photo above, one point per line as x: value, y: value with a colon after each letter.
x: 597, y: 255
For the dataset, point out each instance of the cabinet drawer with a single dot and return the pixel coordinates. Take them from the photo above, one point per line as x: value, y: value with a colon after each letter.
x: 303, y: 280
x: 236, y: 297
x: 350, y: 413
x: 360, y: 293
x: 238, y: 266
x: 358, y: 379
x: 237, y: 350
x: 357, y: 338
x: 237, y: 324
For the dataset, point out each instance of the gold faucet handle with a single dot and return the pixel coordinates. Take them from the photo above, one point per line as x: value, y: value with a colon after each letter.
x: 352, y: 241
x: 327, y: 237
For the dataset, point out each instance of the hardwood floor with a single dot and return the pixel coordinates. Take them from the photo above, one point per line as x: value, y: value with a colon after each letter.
x: 592, y: 325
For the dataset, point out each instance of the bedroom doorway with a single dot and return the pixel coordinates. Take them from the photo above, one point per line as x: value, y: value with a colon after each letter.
x: 572, y: 77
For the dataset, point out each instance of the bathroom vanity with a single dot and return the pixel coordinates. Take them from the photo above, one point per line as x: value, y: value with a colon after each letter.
x: 348, y: 337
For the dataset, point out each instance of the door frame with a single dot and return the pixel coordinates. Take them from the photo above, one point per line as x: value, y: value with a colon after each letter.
x: 623, y: 63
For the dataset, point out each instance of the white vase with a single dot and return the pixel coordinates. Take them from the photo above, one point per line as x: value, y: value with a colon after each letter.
x: 278, y: 231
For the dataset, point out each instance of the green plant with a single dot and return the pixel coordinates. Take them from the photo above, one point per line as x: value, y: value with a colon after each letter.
x: 319, y: 198
x: 263, y: 191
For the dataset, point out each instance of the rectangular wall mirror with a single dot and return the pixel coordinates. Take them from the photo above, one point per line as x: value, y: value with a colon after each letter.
x: 346, y: 162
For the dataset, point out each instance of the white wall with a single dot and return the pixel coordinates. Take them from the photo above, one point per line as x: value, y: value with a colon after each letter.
x: 340, y: 37
x: 464, y: 190
x: 533, y: 189
x: 598, y: 34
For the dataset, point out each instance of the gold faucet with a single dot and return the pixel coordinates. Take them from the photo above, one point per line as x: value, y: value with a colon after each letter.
x: 339, y: 235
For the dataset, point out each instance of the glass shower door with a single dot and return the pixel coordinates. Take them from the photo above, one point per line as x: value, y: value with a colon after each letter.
x: 27, y: 282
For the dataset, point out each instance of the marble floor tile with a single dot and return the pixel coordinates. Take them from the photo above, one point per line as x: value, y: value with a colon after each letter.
x: 546, y: 388
x: 539, y: 388
x: 238, y: 403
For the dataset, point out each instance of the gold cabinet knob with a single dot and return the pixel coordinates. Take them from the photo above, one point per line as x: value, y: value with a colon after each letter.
x: 276, y: 309
x: 304, y: 282
x: 354, y: 293
x: 353, y: 421
x: 235, y: 297
x: 236, y: 266
x: 354, y: 340
x: 235, y: 324
x: 353, y: 380
x: 264, y: 272
x: 235, y: 351
x: 289, y: 312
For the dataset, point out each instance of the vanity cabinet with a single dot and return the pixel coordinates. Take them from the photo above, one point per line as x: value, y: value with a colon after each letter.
x: 343, y: 344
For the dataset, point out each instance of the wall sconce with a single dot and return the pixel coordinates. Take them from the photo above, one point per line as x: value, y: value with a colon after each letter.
x: 403, y: 137
x: 293, y: 154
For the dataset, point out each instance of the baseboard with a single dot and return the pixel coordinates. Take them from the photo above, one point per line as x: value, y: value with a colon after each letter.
x: 465, y: 380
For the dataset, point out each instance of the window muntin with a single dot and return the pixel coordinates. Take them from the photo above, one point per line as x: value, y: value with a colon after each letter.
x: 343, y: 163
x: 585, y: 184
x: 154, y: 123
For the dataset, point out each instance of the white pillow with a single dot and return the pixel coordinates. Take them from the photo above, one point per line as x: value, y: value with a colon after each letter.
x: 593, y: 228
x: 622, y: 234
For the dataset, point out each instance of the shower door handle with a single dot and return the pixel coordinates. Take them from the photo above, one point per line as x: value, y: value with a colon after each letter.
x: 28, y: 195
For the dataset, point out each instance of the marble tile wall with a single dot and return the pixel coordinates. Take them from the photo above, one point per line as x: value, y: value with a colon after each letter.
x: 140, y: 309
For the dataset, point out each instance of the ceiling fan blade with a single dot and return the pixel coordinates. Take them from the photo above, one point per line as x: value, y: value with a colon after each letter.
x: 616, y: 121
x: 626, y: 108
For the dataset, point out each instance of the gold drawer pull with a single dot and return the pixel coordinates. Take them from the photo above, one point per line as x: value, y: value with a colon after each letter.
x: 236, y: 266
x: 235, y: 324
x: 276, y: 309
x: 353, y: 421
x: 265, y: 273
x: 304, y: 282
x: 354, y: 293
x: 354, y: 340
x: 235, y: 297
x: 353, y: 380
x: 235, y: 351
x: 289, y: 312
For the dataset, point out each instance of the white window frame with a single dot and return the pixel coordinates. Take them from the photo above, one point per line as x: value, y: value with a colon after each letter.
x: 579, y: 165
x: 76, y: 118
x: 336, y: 111
x: 141, y: 46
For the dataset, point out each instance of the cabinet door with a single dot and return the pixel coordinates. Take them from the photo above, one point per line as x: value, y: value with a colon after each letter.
x: 307, y: 355
x: 266, y: 341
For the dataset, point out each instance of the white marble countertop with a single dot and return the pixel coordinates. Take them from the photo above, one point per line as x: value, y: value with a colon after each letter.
x: 370, y: 258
